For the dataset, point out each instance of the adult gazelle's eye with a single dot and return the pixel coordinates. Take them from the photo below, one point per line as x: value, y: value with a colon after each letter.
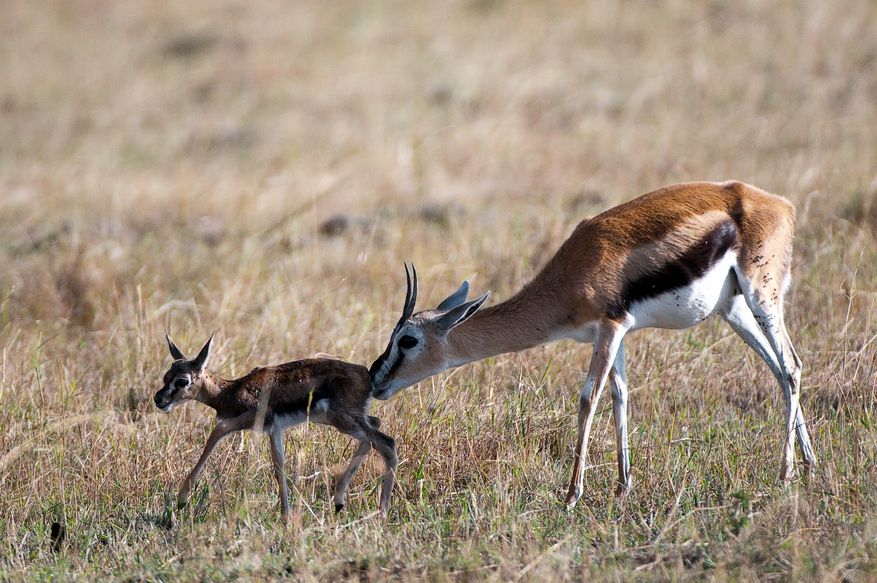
x: 181, y: 383
x: 406, y: 342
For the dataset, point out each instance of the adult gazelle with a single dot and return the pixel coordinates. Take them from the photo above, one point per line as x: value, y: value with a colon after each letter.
x: 668, y: 259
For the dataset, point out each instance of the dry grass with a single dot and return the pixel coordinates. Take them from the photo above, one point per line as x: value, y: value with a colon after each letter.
x: 171, y: 167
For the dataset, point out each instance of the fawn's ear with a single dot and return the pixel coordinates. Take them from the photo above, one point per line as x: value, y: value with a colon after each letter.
x: 200, y: 361
x: 176, y: 353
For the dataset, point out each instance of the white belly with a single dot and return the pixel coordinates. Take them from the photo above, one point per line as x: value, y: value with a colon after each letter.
x: 686, y: 306
x: 317, y: 414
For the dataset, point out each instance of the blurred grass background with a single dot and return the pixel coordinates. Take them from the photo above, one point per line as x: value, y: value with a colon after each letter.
x: 263, y: 169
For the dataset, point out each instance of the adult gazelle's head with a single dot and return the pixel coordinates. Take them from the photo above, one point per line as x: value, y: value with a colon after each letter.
x: 419, y: 345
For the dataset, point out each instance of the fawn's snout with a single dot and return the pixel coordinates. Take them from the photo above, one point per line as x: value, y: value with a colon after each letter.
x: 173, y: 393
x: 163, y: 400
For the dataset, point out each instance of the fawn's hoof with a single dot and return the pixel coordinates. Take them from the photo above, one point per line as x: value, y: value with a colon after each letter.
x: 571, y: 498
x: 809, y: 470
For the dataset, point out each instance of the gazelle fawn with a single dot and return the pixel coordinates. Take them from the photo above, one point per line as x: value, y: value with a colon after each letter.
x: 272, y: 399
x: 668, y: 259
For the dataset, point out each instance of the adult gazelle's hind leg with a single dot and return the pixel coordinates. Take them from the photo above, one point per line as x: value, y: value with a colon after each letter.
x: 800, y: 423
x: 618, y: 385
x: 608, y: 339
x: 762, y: 328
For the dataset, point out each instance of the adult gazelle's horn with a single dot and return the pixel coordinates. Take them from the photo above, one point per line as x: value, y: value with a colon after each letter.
x: 411, y: 293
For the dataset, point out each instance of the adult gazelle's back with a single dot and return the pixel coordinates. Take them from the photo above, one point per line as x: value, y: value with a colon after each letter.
x: 668, y: 259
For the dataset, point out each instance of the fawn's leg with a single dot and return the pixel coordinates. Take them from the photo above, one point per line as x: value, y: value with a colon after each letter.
x: 344, y: 479
x: 359, y: 426
x: 222, y: 429
x: 277, y: 458
x: 386, y: 446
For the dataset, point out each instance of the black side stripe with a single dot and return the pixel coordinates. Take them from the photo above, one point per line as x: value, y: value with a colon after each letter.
x: 691, y: 265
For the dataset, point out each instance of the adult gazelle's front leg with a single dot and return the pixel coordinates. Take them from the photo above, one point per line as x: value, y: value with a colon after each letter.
x: 618, y: 385
x: 222, y: 429
x: 606, y: 344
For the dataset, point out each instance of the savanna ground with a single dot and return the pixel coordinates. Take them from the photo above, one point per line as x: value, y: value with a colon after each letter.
x: 263, y: 169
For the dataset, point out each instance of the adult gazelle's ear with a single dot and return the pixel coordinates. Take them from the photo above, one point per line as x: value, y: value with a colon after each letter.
x: 460, y: 314
x: 455, y: 299
x: 176, y: 353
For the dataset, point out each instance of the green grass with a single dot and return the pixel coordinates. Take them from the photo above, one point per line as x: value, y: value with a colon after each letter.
x: 171, y: 168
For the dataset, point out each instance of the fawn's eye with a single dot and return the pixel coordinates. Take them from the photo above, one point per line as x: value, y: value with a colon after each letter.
x: 181, y: 383
x: 406, y: 342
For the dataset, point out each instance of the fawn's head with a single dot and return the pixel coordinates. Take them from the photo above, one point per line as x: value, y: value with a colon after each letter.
x: 184, y: 378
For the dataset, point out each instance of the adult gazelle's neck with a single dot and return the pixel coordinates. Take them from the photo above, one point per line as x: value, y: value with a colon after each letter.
x: 523, y: 321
